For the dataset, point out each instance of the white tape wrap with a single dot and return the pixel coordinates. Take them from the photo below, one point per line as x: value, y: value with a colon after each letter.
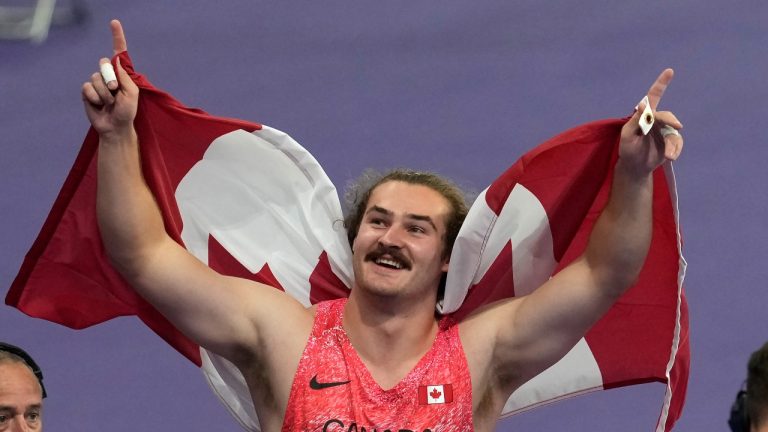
x: 646, y: 118
x: 669, y: 130
x: 108, y: 72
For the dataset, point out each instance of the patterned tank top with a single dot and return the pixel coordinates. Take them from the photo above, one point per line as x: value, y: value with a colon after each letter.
x: 333, y: 391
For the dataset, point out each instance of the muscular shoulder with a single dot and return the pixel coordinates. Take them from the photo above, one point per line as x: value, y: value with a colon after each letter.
x: 269, y: 368
x: 492, y: 383
x: 480, y: 331
x: 283, y: 332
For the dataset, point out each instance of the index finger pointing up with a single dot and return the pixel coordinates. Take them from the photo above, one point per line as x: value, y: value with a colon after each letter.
x: 659, y: 86
x: 118, y: 37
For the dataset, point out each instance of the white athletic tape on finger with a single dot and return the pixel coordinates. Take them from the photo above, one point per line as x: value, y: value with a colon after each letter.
x: 646, y: 118
x: 668, y: 130
x: 108, y: 72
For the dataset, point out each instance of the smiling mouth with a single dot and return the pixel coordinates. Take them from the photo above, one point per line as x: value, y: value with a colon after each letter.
x: 385, y: 262
x: 390, y: 258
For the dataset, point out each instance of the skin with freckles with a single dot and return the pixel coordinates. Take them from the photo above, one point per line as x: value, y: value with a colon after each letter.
x: 21, y: 398
x: 398, y: 257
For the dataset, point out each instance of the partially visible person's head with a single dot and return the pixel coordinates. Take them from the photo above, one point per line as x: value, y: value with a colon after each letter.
x: 359, y: 192
x: 21, y: 391
x: 757, y: 390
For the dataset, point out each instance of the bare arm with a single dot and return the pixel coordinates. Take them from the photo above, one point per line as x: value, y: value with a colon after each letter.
x: 227, y: 315
x: 529, y: 334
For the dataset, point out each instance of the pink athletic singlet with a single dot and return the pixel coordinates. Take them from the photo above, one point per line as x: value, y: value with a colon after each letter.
x: 333, y: 391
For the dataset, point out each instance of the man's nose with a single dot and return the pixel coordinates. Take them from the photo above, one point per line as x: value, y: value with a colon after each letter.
x: 392, y: 237
x: 19, y: 424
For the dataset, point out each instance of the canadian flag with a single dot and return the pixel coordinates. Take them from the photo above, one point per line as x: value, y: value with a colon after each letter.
x: 250, y: 201
x: 435, y: 394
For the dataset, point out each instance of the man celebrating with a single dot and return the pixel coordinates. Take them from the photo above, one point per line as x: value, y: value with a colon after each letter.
x: 381, y: 359
x: 21, y: 391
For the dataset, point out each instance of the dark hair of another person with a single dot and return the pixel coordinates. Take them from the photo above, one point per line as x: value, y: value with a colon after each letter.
x: 757, y: 386
x: 13, y: 354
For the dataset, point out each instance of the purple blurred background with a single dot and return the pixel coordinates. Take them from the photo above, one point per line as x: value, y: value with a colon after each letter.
x: 459, y: 87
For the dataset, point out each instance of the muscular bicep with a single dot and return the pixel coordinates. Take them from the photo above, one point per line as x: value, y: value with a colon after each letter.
x: 535, y: 331
x: 226, y: 315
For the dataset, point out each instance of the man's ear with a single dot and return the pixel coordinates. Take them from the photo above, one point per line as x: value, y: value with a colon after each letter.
x: 444, y: 268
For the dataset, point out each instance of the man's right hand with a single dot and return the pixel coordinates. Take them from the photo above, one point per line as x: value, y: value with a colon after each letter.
x: 111, y: 108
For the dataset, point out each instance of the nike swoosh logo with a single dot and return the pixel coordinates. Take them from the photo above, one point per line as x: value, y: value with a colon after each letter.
x: 314, y: 385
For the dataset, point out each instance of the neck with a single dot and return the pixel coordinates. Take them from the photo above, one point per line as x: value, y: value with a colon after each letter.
x: 387, y: 333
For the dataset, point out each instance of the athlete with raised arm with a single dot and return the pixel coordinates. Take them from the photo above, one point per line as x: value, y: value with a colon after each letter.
x: 380, y: 359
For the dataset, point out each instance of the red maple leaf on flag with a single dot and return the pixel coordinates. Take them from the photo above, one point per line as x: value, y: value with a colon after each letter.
x: 435, y: 394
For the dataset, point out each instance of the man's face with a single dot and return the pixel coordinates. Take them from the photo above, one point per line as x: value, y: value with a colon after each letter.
x: 21, y: 398
x: 399, y: 246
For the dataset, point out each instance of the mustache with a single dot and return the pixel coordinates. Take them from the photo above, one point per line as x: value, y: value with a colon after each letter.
x: 393, y: 253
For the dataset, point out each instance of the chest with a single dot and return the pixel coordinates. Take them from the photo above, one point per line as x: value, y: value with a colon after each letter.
x: 333, y: 390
